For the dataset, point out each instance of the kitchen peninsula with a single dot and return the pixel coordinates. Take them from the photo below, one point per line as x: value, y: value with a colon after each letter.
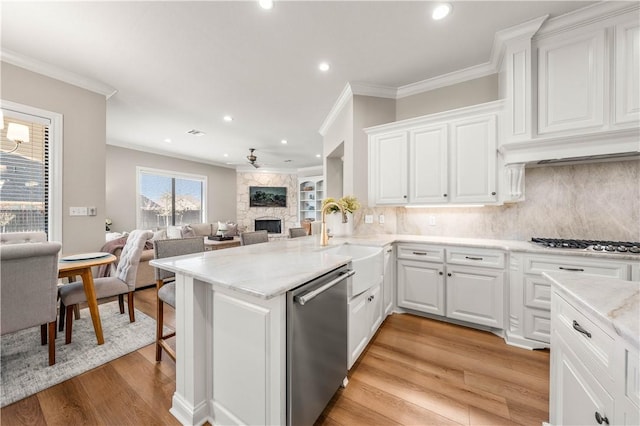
x: 231, y: 307
x: 231, y: 328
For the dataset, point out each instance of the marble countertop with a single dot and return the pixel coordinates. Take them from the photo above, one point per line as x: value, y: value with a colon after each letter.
x: 269, y: 270
x: 507, y: 245
x: 261, y: 270
x: 612, y: 301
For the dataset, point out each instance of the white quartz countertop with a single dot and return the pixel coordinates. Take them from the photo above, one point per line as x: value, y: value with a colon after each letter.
x: 612, y: 301
x: 263, y: 270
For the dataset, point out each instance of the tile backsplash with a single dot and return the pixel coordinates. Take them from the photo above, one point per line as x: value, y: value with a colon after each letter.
x: 585, y: 201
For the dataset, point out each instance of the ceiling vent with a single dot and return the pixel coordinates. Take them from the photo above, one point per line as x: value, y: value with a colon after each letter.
x: 195, y: 132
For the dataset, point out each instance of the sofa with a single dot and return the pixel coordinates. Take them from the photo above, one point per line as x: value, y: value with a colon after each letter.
x: 146, y: 273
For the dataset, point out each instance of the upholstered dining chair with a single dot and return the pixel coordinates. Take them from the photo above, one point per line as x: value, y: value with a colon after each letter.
x: 123, y: 282
x: 253, y: 237
x: 29, y: 277
x: 166, y: 286
x: 297, y: 232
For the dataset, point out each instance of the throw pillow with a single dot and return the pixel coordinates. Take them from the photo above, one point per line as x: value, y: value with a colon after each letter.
x: 187, y: 232
x: 159, y: 235
x: 174, y: 232
x: 232, y: 230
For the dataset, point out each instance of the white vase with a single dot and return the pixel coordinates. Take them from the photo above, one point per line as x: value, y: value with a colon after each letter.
x: 336, y: 227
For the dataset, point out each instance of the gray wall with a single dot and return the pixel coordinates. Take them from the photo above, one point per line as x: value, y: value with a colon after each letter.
x: 472, y: 92
x: 121, y: 166
x: 83, y: 177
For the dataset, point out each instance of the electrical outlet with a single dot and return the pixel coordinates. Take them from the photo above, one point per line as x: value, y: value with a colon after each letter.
x: 92, y: 211
x: 432, y: 220
x: 381, y: 218
x: 77, y: 211
x: 368, y: 218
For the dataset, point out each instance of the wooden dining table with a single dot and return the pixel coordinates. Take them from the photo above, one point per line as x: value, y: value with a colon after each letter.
x: 82, y: 268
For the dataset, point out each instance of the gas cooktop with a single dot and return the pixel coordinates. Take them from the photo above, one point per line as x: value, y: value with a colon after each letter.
x: 625, y: 247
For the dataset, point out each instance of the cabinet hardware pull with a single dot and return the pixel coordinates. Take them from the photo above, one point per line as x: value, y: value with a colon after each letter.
x: 579, y: 328
x: 493, y: 193
x: 473, y: 258
x: 441, y: 273
x: 444, y: 195
x: 601, y: 419
x: 571, y: 269
x: 404, y: 196
x: 448, y: 274
x: 389, y: 251
x: 420, y: 253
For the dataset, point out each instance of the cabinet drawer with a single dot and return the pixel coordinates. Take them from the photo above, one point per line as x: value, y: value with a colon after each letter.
x: 537, y: 292
x: 475, y: 257
x: 537, y: 265
x: 593, y: 345
x: 420, y: 252
x: 632, y: 376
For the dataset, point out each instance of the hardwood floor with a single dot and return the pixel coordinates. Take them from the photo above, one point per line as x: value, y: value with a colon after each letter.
x: 416, y: 372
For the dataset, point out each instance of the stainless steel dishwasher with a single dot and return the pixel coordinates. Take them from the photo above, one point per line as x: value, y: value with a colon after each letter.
x: 316, y: 345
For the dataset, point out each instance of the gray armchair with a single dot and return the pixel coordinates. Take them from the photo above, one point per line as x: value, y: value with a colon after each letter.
x: 124, y: 281
x: 297, y: 232
x: 29, y: 277
x: 166, y: 286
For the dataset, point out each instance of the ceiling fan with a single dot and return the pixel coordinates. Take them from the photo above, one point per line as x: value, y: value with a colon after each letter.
x: 252, y: 158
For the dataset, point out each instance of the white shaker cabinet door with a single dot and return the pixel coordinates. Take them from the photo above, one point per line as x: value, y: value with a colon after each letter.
x: 475, y: 295
x: 571, y: 82
x: 428, y: 165
x: 388, y: 174
x: 627, y: 75
x: 421, y: 286
x: 473, y: 160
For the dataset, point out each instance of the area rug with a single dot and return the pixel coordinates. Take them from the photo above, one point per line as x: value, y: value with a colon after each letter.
x: 25, y: 363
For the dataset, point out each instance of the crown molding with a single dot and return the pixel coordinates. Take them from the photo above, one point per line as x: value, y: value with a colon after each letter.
x: 585, y: 16
x: 57, y: 73
x: 310, y: 171
x: 337, y: 107
x: 368, y: 89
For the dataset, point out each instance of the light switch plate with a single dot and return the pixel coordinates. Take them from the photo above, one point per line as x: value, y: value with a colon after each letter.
x: 368, y: 218
x: 432, y: 220
x: 381, y: 218
x: 77, y: 211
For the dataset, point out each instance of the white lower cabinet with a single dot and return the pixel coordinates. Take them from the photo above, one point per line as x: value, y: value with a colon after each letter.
x: 388, y: 282
x: 452, y: 288
x: 365, y: 316
x: 577, y: 397
x: 475, y: 295
x: 421, y: 286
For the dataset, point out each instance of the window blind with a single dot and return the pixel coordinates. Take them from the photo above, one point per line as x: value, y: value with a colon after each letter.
x: 24, y: 176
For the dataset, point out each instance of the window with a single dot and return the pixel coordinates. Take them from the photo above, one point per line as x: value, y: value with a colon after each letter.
x: 168, y: 198
x: 29, y: 199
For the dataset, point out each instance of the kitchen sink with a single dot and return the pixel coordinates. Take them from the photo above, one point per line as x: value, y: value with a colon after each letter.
x: 368, y: 262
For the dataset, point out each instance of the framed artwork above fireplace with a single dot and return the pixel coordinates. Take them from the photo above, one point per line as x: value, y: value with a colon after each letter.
x: 267, y: 196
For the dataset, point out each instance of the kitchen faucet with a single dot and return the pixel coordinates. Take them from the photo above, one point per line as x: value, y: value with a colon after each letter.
x: 324, y: 236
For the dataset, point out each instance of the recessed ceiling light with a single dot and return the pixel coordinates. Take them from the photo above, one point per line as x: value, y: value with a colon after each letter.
x: 227, y: 118
x: 318, y: 155
x: 441, y: 11
x: 283, y: 141
x: 266, y: 4
x: 225, y: 155
x: 167, y: 140
x: 324, y: 66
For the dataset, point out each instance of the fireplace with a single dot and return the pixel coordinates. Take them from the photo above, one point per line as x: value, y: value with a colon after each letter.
x: 272, y: 226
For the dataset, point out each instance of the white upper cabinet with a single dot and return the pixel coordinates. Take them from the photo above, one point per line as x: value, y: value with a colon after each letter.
x: 627, y: 72
x: 388, y: 159
x: 436, y: 159
x: 571, y: 82
x: 428, y: 158
x: 473, y: 160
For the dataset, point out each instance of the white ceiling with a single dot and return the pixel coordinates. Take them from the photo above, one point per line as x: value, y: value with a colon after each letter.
x: 181, y: 65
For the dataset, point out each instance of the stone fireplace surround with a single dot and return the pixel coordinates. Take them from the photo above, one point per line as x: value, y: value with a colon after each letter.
x: 246, y: 215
